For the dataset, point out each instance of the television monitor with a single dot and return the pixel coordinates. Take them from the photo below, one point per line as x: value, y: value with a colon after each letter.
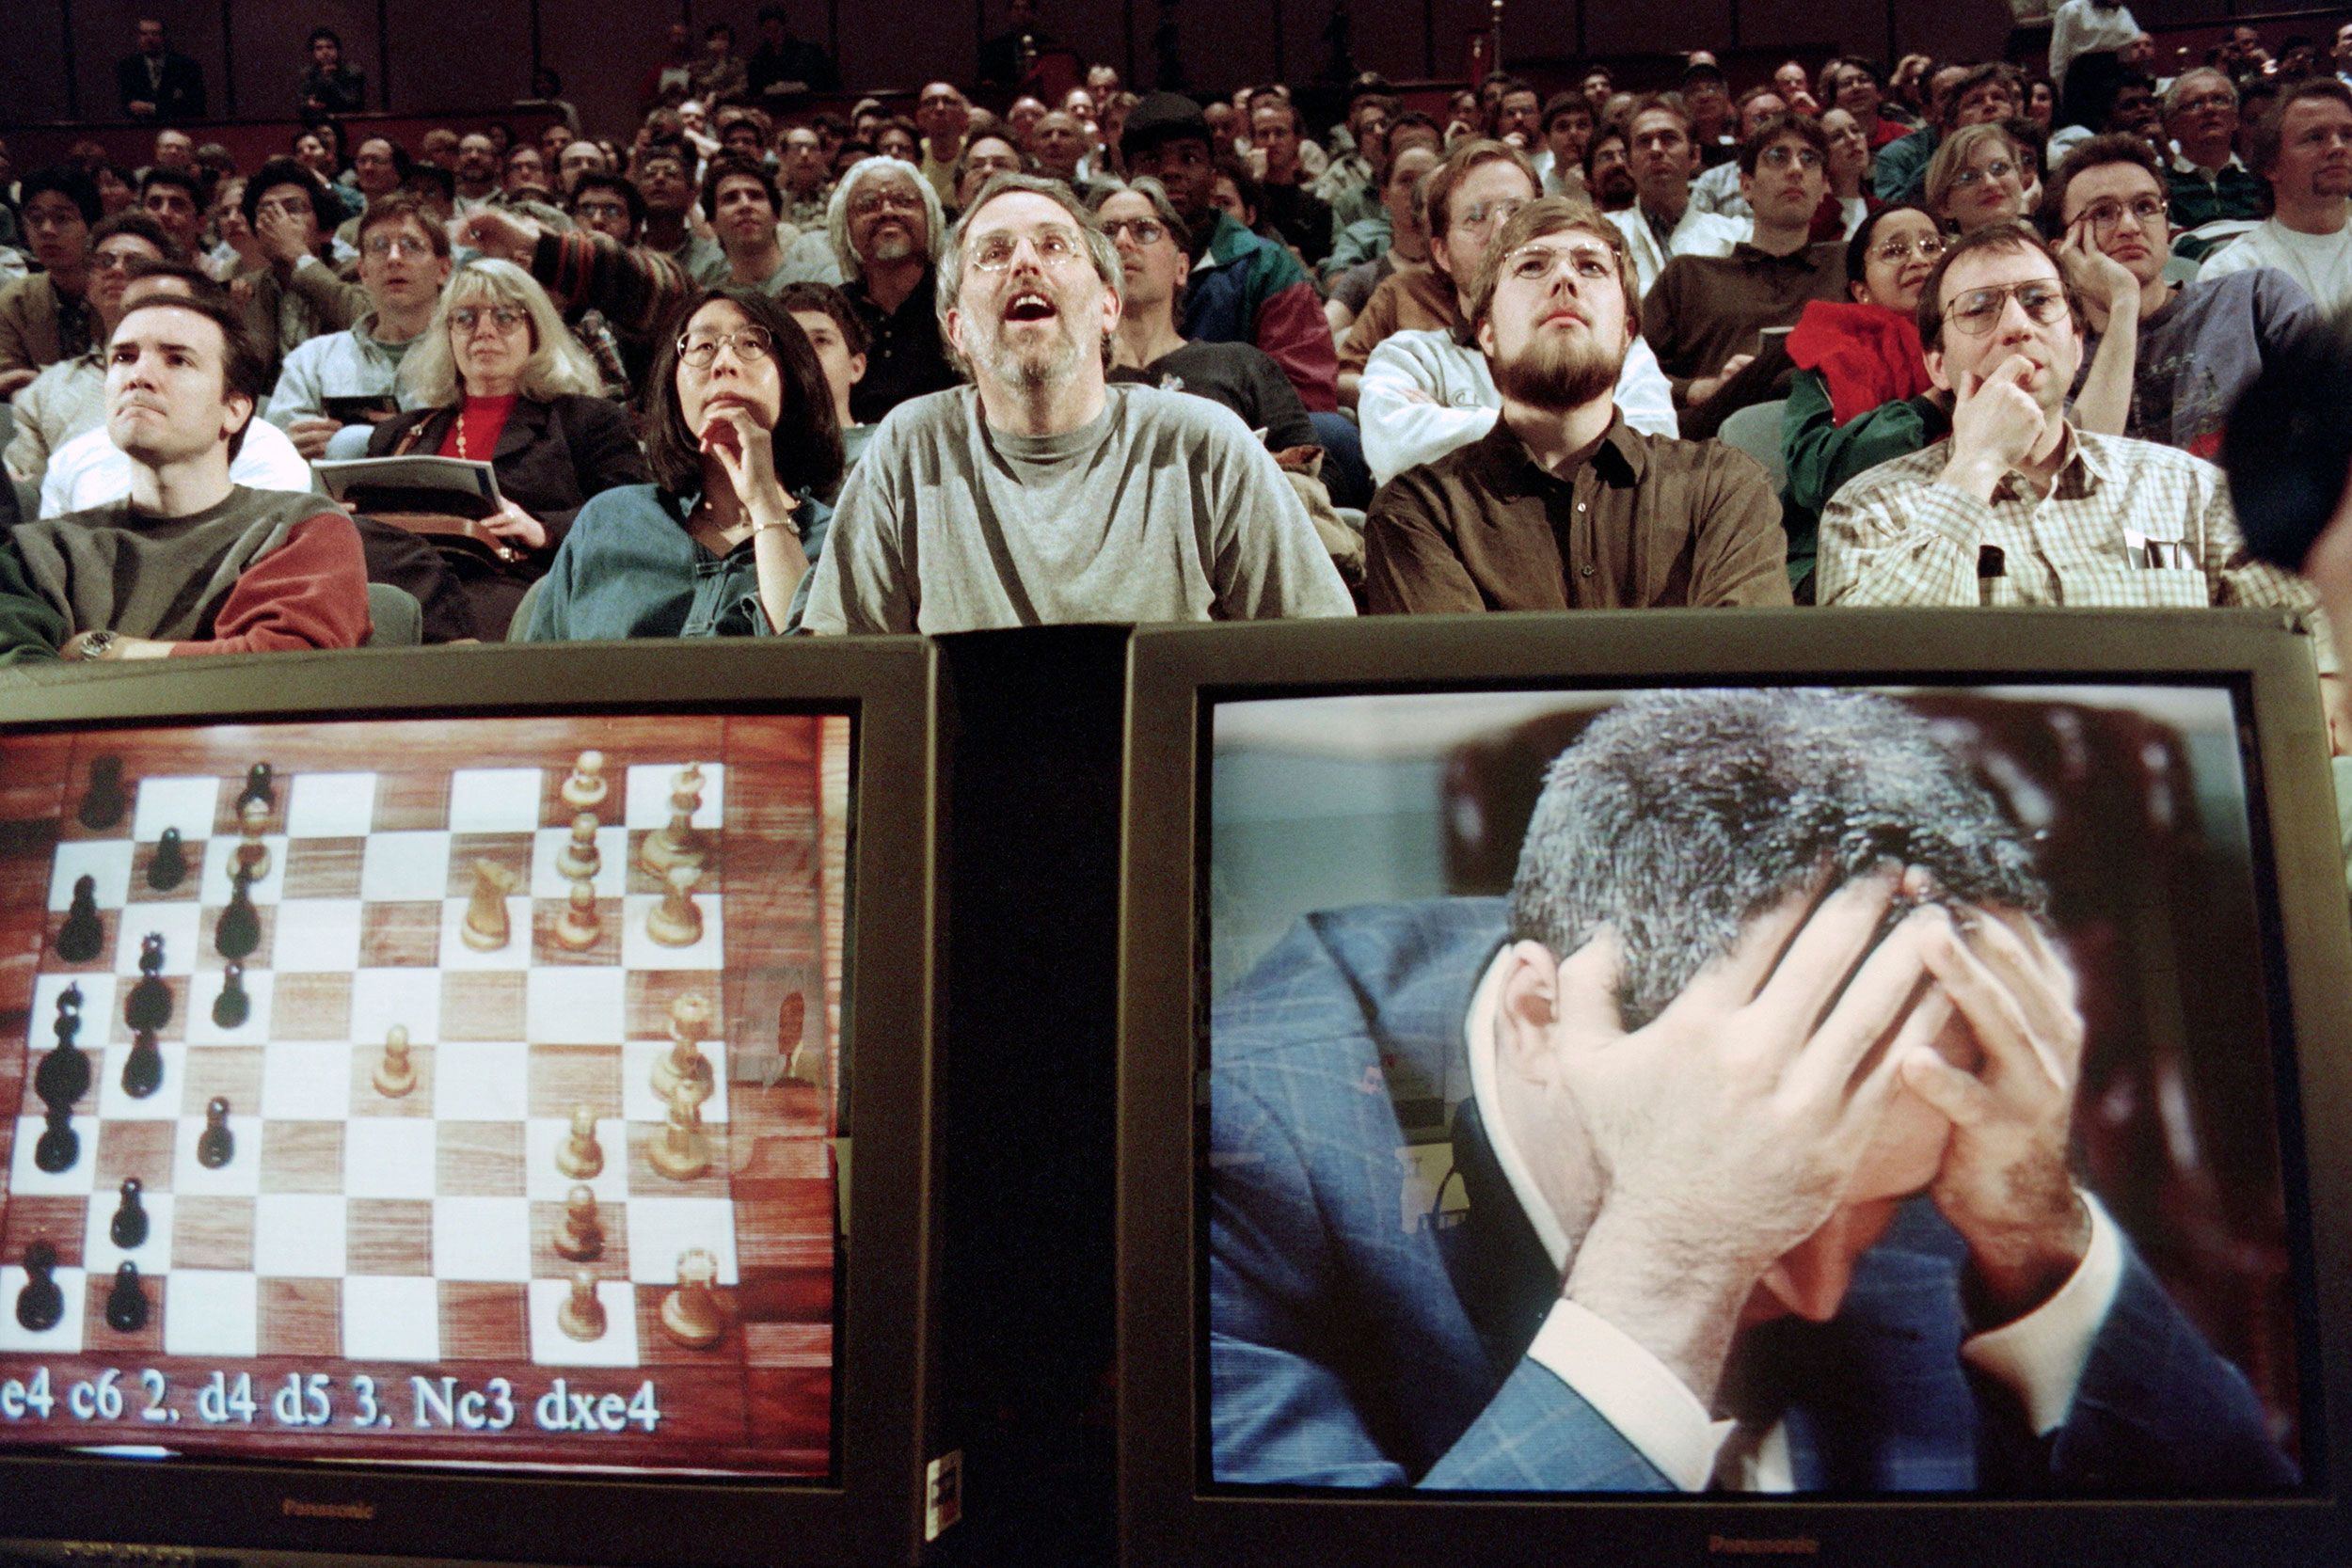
x: 427, y: 1088
x: 1849, y: 1086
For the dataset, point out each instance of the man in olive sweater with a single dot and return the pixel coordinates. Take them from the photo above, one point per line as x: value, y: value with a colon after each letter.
x: 191, y: 563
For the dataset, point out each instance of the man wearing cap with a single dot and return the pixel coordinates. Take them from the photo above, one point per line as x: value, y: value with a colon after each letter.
x: 1243, y: 289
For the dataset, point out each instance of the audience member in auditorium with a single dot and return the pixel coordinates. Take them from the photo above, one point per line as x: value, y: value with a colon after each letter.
x: 1854, y: 84
x: 157, y: 84
x: 47, y: 317
x: 1285, y: 197
x: 826, y: 318
x: 1976, y: 178
x: 1369, y: 237
x: 295, y: 296
x: 1403, y: 242
x: 718, y: 74
x: 501, y: 380
x: 174, y: 149
x: 2191, y: 348
x: 598, y: 270
x: 2021, y: 506
x: 1714, y: 121
x: 887, y: 227
x: 1860, y: 393
x: 1243, y: 289
x: 986, y: 155
x: 1562, y: 505
x: 89, y: 470
x: 69, y: 397
x: 664, y: 176
x: 404, y: 262
x: 1664, y: 222
x: 1718, y: 189
x: 2303, y: 148
x: 1428, y: 392
x: 2207, y: 180
x: 1461, y: 202
x: 785, y: 66
x: 1568, y: 132
x: 330, y: 84
x: 1972, y: 95
x: 958, y: 516
x: 740, y: 194
x: 1058, y: 144
x: 1705, y: 315
x: 806, y: 182
x: 742, y: 442
x: 1349, y: 184
x: 944, y: 115
x: 192, y: 562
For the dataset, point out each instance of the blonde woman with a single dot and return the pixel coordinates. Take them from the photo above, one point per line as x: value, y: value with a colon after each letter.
x: 503, y: 381
x: 1977, y: 177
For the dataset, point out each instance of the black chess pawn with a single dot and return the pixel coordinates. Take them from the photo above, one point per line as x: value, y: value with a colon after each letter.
x: 259, y: 786
x: 60, y: 1146
x: 128, y: 1228
x: 126, y: 1304
x: 40, y: 1306
x: 239, y: 931
x: 143, y: 1069
x: 64, y: 1075
x: 82, y: 933
x: 101, y: 807
x: 168, y: 866
x: 217, y: 1145
x: 149, y: 1006
x: 233, y: 1006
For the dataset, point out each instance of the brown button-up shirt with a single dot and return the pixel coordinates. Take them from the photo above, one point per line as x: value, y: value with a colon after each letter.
x: 1642, y: 522
x: 1703, y: 309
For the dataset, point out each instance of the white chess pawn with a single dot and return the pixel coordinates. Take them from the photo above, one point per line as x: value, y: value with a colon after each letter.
x: 581, y: 856
x: 395, y: 1074
x: 691, y: 1314
x: 581, y: 1157
x: 582, y: 1315
x: 580, y: 1236
x: 252, y: 856
x: 676, y: 921
x: 586, y: 787
x: 682, y: 1150
x: 684, y: 1064
x: 577, y: 929
x: 680, y: 843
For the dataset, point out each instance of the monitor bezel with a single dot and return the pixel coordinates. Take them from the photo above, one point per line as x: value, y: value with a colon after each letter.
x: 871, y: 1508
x: 1168, y: 1514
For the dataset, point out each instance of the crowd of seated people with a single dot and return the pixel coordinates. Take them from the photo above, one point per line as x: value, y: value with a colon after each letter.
x: 1952, y: 333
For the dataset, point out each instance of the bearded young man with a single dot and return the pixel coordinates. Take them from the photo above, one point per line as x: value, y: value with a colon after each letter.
x: 1040, y: 494
x: 1563, y: 505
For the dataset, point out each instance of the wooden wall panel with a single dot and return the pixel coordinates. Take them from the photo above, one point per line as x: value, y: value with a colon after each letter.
x: 271, y: 56
x: 1619, y: 29
x: 450, y: 57
x: 106, y: 30
x: 1391, y: 38
x: 32, y: 73
x: 1817, y: 28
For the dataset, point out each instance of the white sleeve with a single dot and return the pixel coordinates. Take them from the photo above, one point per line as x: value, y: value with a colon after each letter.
x: 1645, y: 396
x: 1631, y: 1390
x: 298, y: 394
x: 1401, y: 430
x: 268, y: 461
x: 2041, y: 1356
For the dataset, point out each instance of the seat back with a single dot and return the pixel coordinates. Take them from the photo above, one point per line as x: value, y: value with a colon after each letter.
x: 1755, y: 430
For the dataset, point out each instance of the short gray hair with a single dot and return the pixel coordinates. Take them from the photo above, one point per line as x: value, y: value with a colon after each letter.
x: 2181, y: 86
x: 1100, y: 251
x: 837, y: 211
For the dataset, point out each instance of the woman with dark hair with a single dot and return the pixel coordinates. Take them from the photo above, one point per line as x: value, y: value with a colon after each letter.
x: 741, y: 438
x: 1861, y: 394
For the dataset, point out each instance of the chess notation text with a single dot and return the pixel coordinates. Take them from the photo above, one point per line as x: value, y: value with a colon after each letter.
x: 311, y: 1400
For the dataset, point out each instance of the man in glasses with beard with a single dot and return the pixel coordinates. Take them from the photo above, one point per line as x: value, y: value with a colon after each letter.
x: 1040, y: 494
x: 1563, y: 505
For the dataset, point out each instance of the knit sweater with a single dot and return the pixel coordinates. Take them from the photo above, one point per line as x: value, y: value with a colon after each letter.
x: 262, y: 570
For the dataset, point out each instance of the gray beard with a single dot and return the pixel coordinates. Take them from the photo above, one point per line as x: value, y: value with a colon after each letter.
x: 1557, y: 380
x: 1036, y: 370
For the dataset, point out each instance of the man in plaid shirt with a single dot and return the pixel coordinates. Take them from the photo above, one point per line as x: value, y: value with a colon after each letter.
x: 2019, y: 507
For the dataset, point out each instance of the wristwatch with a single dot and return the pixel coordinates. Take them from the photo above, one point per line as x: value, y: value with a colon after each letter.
x: 95, y: 643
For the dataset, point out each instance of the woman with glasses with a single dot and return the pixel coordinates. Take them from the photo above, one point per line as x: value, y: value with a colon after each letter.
x: 742, y: 437
x: 504, y: 382
x: 1861, y: 393
x: 1976, y: 178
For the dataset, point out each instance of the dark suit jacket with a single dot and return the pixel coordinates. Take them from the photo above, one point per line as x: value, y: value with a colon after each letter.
x: 551, y: 457
x: 1352, y: 1344
x: 181, y: 97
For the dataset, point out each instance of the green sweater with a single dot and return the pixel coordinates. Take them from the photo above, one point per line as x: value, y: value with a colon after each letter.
x: 1822, y: 455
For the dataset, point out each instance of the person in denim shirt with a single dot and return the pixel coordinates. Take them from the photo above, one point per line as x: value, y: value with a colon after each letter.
x: 740, y: 436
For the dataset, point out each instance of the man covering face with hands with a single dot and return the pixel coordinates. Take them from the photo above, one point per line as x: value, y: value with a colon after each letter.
x: 1771, y: 1062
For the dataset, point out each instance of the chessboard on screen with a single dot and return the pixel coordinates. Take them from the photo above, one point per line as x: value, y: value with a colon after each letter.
x: 463, y: 1090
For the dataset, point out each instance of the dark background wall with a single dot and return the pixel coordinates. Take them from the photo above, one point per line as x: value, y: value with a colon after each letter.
x: 438, y: 55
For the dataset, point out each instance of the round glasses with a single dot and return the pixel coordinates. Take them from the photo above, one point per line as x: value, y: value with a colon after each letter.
x: 506, y: 318
x: 1893, y: 252
x: 1999, y: 169
x: 749, y: 342
x: 2147, y: 211
x: 1055, y: 248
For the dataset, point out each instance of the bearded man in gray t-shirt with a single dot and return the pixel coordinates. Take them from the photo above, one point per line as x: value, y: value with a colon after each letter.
x: 1040, y: 494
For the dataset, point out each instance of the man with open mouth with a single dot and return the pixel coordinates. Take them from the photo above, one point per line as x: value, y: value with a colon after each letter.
x: 1040, y: 494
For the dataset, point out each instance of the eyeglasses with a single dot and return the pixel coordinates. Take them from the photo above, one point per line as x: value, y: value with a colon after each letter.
x: 750, y: 344
x: 1927, y: 248
x: 383, y: 246
x: 1534, y: 263
x: 2210, y: 101
x: 599, y: 210
x: 895, y: 200
x: 1055, y: 248
x: 1485, y: 213
x: 505, y: 317
x: 1999, y: 169
x: 2147, y: 211
x: 1979, y: 311
x: 292, y: 207
x: 1142, y: 230
x: 112, y: 261
x: 1783, y: 156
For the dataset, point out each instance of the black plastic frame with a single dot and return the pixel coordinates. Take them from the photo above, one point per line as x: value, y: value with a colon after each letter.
x: 1169, y: 1511
x: 886, y: 1358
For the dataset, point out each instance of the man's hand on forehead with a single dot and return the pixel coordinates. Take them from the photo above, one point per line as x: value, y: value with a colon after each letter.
x: 1729, y: 1130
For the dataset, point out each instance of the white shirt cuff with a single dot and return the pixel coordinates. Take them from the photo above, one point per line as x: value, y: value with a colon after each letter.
x: 1631, y: 1390
x: 2042, y: 1355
